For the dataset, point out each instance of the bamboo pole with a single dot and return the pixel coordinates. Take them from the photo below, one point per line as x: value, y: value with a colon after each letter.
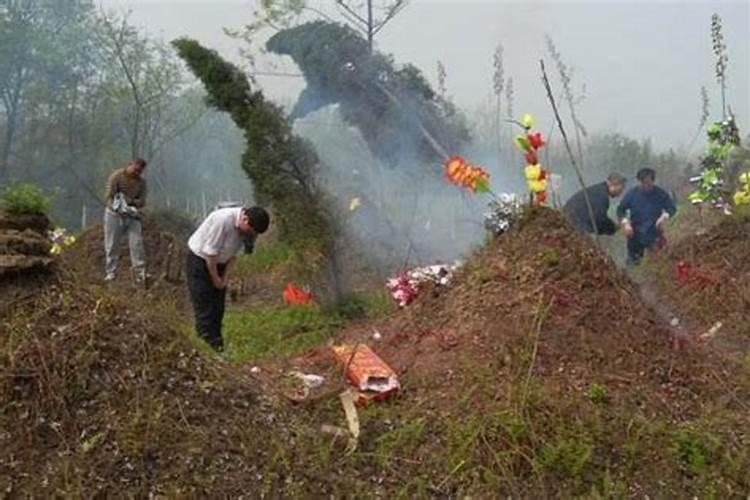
x: 590, y: 209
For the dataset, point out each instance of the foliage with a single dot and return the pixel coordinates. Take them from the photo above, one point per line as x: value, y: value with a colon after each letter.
x: 67, y: 103
x: 391, y: 106
x: 367, y: 17
x: 25, y: 198
x: 281, y: 166
x: 694, y: 449
x: 597, y: 393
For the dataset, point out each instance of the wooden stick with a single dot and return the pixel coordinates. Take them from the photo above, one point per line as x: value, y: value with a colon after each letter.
x: 590, y: 209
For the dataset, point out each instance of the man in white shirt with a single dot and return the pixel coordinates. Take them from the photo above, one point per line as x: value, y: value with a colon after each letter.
x: 213, y: 247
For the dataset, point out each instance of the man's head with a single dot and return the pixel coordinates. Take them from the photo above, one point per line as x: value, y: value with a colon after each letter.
x: 646, y: 177
x: 615, y: 185
x: 135, y: 167
x: 253, y: 221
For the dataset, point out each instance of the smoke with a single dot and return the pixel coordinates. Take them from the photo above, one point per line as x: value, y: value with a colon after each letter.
x: 402, y: 214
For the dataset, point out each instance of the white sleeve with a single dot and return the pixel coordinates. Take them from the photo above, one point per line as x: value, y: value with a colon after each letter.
x: 213, y: 240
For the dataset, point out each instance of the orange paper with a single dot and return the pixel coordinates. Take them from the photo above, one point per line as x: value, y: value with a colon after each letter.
x: 295, y: 295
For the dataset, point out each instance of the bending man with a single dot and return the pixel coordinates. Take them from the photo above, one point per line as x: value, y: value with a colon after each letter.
x: 213, y: 247
x: 577, y: 212
x: 642, y: 212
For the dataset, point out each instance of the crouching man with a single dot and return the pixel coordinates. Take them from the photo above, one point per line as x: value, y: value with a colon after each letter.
x: 213, y: 247
x: 576, y: 210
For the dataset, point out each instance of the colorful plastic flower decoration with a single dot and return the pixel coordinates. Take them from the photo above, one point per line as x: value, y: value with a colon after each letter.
x: 60, y: 240
x: 530, y: 143
x: 463, y: 174
x: 742, y: 196
x: 722, y: 136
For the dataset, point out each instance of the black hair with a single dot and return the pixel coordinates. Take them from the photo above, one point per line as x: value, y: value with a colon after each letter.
x: 140, y: 162
x: 258, y: 218
x: 645, y: 173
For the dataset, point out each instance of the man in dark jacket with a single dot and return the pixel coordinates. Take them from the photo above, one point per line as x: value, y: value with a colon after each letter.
x: 642, y: 212
x: 577, y: 212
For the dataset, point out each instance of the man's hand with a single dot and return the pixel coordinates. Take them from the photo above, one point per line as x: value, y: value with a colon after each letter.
x: 661, y: 220
x: 627, y: 228
x: 219, y: 283
x: 216, y: 279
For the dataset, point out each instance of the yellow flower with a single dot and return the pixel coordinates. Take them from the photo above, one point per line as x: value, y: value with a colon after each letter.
x: 537, y: 186
x: 527, y: 121
x: 533, y: 172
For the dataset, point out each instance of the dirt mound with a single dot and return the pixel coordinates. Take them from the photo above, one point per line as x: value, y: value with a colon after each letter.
x: 24, y: 247
x: 101, y: 394
x: 537, y: 373
x: 707, y: 277
x: 25, y: 261
x: 36, y: 222
x: 165, y: 254
x: 540, y: 372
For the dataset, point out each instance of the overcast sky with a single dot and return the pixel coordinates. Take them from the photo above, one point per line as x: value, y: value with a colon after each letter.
x: 643, y: 63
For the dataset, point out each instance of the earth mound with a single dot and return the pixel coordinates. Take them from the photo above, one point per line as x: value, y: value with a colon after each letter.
x: 102, y: 394
x: 707, y: 278
x: 539, y: 371
x: 165, y: 254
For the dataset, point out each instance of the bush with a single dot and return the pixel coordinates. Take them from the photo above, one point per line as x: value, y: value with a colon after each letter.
x: 25, y: 198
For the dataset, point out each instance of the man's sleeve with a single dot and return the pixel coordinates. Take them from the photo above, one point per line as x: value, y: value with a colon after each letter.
x: 140, y: 200
x: 669, y: 205
x: 214, y: 239
x: 624, y: 206
x: 111, y: 186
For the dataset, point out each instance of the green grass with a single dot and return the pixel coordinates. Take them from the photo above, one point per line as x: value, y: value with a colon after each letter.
x: 271, y: 331
x: 24, y: 198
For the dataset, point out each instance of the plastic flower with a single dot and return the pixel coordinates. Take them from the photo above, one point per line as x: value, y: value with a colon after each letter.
x: 465, y: 175
x: 531, y: 157
x: 536, y: 140
x: 527, y: 121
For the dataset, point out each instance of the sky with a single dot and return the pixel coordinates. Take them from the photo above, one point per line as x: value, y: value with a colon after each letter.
x: 642, y: 62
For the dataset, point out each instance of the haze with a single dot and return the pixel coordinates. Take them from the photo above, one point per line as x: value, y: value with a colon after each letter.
x: 643, y: 63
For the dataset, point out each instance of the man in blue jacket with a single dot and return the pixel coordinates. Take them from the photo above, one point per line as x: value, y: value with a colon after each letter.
x: 642, y: 212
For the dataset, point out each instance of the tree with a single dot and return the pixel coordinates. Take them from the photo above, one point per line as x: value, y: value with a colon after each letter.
x: 32, y: 43
x: 397, y: 112
x: 281, y: 165
x: 722, y: 59
x: 150, y: 80
x: 498, y: 85
x: 366, y: 16
x: 566, y: 78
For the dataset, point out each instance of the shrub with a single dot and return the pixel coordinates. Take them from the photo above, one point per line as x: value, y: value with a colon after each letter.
x: 25, y: 198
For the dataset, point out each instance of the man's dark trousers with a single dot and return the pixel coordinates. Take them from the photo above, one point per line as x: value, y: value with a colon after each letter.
x: 636, y: 249
x: 208, y: 301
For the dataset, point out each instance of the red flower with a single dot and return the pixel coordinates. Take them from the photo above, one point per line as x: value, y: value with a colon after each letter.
x: 541, y: 197
x: 535, y: 140
x: 531, y: 157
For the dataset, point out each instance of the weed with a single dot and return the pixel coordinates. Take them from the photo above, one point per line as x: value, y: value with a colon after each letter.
x: 694, y: 449
x: 403, y: 439
x: 268, y: 331
x: 597, y: 393
x: 25, y: 198
x: 566, y: 457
